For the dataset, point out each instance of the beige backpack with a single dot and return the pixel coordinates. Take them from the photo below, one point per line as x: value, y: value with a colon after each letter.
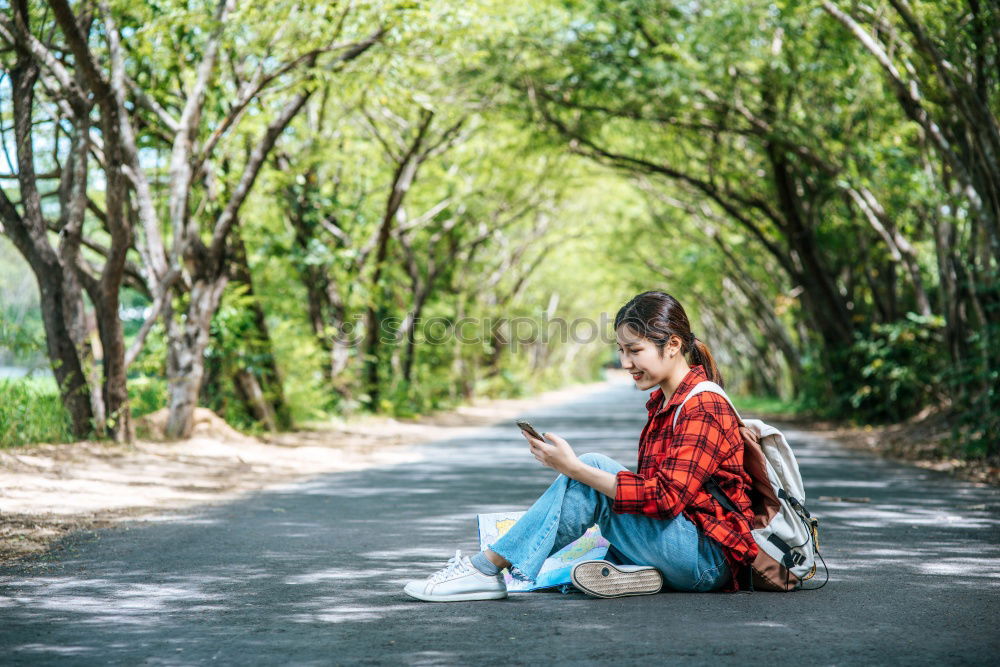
x: 783, y: 528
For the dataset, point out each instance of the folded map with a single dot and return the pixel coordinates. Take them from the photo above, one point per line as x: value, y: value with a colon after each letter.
x: 556, y: 568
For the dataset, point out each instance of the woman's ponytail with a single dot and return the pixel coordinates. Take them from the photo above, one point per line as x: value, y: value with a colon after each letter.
x: 701, y: 355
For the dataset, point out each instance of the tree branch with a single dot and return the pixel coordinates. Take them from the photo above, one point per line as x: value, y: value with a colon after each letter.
x: 162, y: 296
x: 17, y: 32
x: 144, y: 100
x: 260, y: 152
x: 181, y: 168
x: 84, y: 59
x: 250, y: 92
x: 908, y: 93
x: 644, y: 166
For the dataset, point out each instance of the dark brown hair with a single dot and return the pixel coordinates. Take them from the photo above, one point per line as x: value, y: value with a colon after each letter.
x: 657, y: 316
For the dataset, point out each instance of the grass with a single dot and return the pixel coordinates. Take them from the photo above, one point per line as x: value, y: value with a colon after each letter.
x: 31, y: 411
x: 771, y: 406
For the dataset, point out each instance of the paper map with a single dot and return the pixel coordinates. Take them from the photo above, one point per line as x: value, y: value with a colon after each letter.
x: 555, y: 571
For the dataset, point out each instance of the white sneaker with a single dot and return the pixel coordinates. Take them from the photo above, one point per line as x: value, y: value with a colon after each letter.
x: 602, y: 579
x: 458, y: 581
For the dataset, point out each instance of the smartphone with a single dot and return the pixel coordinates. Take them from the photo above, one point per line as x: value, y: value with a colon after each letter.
x: 530, y: 430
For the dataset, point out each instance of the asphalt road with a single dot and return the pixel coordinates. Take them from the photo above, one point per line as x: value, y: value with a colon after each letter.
x: 313, y: 573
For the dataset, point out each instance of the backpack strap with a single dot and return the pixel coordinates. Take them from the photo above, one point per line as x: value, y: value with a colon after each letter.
x: 710, y: 485
x: 706, y: 386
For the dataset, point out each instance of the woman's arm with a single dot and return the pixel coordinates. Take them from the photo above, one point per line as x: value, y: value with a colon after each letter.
x: 560, y: 457
x: 599, y: 480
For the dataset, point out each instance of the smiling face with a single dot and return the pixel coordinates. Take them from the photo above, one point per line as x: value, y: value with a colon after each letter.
x: 649, y: 365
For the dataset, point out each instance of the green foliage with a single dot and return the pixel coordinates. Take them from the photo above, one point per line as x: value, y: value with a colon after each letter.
x: 20, y: 341
x: 975, y: 430
x: 770, y: 406
x: 238, y: 346
x: 32, y: 411
x: 974, y: 390
x: 147, y: 384
x: 146, y: 394
x: 22, y: 334
x: 900, y: 364
x: 218, y: 394
x: 301, y: 361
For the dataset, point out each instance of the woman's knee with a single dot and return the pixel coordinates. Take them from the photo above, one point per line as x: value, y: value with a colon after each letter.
x: 601, y: 462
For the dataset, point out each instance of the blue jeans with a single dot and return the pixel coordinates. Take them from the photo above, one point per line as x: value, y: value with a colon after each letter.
x: 684, y: 555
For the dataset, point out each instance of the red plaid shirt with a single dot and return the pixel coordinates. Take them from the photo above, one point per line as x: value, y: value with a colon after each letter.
x: 673, y: 467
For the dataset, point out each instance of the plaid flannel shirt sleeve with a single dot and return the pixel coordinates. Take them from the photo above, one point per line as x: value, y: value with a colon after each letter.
x: 697, y: 448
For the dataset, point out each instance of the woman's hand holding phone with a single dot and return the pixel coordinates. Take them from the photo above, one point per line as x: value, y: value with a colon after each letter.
x: 558, y: 455
x: 526, y: 427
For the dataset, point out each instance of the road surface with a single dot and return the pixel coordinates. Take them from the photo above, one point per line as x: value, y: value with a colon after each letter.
x: 312, y: 574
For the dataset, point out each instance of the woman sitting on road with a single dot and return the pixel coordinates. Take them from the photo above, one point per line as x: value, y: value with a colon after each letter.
x: 664, y: 527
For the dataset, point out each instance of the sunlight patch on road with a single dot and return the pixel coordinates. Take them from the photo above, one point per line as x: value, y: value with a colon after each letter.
x: 353, y: 613
x: 963, y: 567
x: 99, y: 601
x: 882, y: 515
x: 334, y: 574
x: 767, y: 624
x: 56, y: 650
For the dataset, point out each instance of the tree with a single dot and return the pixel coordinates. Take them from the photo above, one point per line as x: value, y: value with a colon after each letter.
x: 742, y: 110
x: 186, y: 279
x: 61, y: 274
x: 942, y: 63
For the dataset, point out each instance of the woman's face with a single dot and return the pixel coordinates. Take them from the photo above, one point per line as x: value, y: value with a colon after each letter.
x: 641, y: 357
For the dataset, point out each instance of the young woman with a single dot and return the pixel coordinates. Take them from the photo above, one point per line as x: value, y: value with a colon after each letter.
x: 664, y: 527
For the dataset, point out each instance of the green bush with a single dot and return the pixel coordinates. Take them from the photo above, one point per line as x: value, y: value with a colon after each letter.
x: 974, y: 392
x: 146, y: 394
x: 31, y: 411
x: 900, y: 368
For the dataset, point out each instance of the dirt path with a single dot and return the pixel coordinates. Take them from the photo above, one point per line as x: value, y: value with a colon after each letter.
x: 47, y: 491
x: 922, y: 441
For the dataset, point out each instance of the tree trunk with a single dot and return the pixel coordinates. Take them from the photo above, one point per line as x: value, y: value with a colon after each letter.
x: 63, y: 354
x: 269, y: 387
x: 405, y: 174
x: 900, y: 250
x: 72, y: 200
x: 325, y: 306
x: 498, y: 342
x: 823, y: 299
x: 374, y: 318
x: 115, y: 389
x: 410, y: 335
x: 763, y: 307
x: 107, y: 306
x: 186, y: 342
x: 260, y: 405
x: 463, y: 372
x: 61, y: 310
x: 61, y: 334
